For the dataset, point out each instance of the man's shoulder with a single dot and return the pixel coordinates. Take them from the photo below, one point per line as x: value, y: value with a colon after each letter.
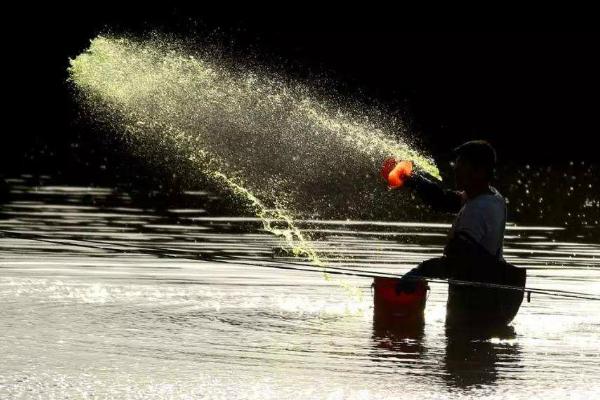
x: 485, y: 206
x: 490, y: 199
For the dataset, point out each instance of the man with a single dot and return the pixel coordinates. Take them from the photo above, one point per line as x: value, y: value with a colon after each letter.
x: 475, y: 243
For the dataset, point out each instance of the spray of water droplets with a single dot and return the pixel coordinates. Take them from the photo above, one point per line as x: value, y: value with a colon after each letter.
x: 283, y: 150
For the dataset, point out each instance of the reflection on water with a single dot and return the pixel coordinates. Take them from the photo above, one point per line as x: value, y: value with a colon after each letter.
x: 400, y: 336
x: 103, y: 308
x: 471, y: 356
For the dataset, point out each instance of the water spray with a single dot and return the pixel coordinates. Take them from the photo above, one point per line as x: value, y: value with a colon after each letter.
x: 282, y: 150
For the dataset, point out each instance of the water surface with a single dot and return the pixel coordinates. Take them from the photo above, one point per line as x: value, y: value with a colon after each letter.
x: 104, y: 306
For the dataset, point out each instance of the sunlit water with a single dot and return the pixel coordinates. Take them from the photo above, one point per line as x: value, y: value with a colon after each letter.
x: 88, y: 315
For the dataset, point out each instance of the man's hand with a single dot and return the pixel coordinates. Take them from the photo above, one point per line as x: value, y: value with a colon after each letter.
x: 409, y: 282
x: 406, y: 286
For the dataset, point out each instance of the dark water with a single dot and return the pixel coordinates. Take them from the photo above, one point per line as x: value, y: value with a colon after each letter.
x: 102, y: 310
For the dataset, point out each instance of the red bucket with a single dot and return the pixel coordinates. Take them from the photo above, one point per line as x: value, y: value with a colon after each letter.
x: 389, y: 302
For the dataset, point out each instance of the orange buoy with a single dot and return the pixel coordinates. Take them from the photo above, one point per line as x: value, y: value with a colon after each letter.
x: 396, y: 173
x: 407, y: 304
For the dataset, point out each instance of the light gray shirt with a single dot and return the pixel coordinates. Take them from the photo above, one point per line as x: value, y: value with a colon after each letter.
x: 483, y: 220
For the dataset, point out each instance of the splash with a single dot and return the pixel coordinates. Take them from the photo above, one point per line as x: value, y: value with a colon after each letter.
x: 274, y: 144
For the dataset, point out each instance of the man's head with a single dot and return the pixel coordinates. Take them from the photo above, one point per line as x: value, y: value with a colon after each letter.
x: 474, y: 165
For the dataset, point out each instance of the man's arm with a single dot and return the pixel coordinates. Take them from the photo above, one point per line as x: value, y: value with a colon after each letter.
x: 459, y: 254
x: 434, y: 195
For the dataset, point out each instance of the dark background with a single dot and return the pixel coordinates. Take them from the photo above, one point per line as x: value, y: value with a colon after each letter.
x: 534, y: 95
